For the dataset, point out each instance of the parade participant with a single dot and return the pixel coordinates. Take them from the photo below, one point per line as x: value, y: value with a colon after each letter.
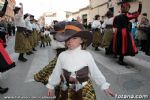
x: 47, y: 37
x: 134, y: 27
x: 58, y: 47
x: 42, y: 38
x: 108, y: 32
x: 34, y: 33
x: 96, y: 25
x: 38, y: 32
x: 43, y: 75
x: 123, y: 43
x: 29, y: 31
x: 21, y: 42
x: 5, y: 63
x: 144, y: 35
x: 76, y: 66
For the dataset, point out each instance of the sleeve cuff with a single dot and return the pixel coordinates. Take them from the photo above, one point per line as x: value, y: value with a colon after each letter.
x: 105, y: 86
x: 49, y: 86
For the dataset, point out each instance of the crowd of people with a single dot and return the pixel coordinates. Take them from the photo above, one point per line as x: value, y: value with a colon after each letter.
x: 69, y: 74
x: 122, y: 35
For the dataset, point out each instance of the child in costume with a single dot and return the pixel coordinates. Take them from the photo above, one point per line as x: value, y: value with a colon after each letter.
x: 75, y: 67
x: 47, y: 37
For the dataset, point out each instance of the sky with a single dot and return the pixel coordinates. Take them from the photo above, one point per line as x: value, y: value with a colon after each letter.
x: 37, y: 7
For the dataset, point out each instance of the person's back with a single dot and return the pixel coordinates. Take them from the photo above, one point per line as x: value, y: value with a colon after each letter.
x: 121, y: 21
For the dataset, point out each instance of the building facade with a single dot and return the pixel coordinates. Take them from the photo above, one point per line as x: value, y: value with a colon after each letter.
x: 102, y: 6
x: 83, y: 14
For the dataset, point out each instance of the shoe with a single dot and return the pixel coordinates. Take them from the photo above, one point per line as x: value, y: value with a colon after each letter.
x: 96, y: 49
x: 122, y: 63
x: 34, y: 49
x: 148, y: 54
x: 28, y: 53
x: 3, y: 90
x: 31, y: 52
x: 115, y: 56
x: 22, y: 59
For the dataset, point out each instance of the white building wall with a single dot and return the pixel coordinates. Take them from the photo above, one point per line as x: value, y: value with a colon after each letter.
x: 95, y: 3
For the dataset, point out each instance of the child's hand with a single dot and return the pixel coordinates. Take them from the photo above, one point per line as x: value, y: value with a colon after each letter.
x: 109, y: 92
x: 50, y: 92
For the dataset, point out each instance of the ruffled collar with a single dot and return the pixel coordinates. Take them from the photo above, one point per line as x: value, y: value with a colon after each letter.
x: 75, y: 50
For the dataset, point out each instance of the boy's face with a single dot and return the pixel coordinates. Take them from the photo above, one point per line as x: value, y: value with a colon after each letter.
x: 73, y: 42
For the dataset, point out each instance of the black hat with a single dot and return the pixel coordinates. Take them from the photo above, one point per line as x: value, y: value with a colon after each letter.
x: 16, y: 10
x: 109, y: 14
x: 26, y: 15
x: 74, y: 29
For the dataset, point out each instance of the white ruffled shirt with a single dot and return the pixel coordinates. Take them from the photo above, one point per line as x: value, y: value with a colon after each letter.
x: 74, y: 60
x: 96, y: 24
x: 28, y: 24
x: 108, y: 22
x: 18, y: 20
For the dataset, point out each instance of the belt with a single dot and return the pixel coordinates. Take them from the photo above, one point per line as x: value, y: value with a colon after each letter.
x: 97, y: 29
x: 21, y: 29
x: 109, y: 26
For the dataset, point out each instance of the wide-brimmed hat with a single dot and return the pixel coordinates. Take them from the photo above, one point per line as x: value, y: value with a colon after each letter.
x: 59, y: 27
x: 74, y: 29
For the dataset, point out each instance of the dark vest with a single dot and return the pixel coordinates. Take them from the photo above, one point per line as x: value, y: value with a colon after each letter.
x: 81, y: 75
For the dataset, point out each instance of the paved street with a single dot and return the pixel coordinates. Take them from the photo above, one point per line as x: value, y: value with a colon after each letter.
x: 124, y: 81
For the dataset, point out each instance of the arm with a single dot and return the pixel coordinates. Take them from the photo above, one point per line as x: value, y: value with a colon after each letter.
x: 93, y: 25
x: 104, y: 25
x: 114, y: 22
x: 20, y: 13
x: 21, y: 9
x: 135, y: 14
x: 98, y: 77
x: 96, y: 74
